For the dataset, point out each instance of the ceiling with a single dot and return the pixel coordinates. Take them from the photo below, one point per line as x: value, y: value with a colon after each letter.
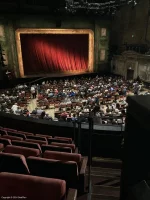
x: 64, y: 7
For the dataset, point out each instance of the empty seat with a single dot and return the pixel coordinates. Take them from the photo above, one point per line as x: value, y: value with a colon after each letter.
x: 3, y: 132
x: 10, y: 129
x: 63, y: 156
x: 26, y: 144
x: 12, y: 137
x: 40, y: 142
x: 81, y: 162
x: 72, y: 146
x: 50, y: 140
x: 26, y: 133
x: 41, y: 135
x: 5, y: 141
x: 22, y: 150
x: 36, y: 138
x: 64, y: 138
x: 67, y: 171
x: 1, y: 146
x: 55, y: 148
x: 17, y: 134
x: 13, y: 163
x: 32, y: 187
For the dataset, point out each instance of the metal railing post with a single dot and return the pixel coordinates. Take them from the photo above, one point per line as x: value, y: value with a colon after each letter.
x: 79, y: 136
x: 90, y: 153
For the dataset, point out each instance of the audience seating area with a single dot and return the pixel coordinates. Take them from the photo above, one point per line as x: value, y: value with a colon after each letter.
x: 50, y: 165
x: 40, y: 188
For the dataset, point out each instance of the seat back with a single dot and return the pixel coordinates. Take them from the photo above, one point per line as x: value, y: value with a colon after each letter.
x: 63, y: 156
x: 17, y: 134
x: 72, y: 146
x: 1, y: 146
x: 41, y: 135
x: 40, y: 142
x: 64, y: 138
x: 55, y: 148
x: 14, y: 163
x: 50, y: 140
x: 10, y: 129
x: 5, y: 141
x: 22, y: 150
x: 3, y: 132
x: 67, y: 171
x: 26, y: 133
x: 31, y: 187
x: 12, y: 137
x: 26, y: 144
x: 32, y: 137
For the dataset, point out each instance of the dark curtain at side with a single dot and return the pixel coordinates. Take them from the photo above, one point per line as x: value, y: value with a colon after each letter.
x: 46, y: 53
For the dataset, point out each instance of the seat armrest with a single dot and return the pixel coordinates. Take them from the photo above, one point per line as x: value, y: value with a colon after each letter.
x: 83, y: 165
x: 76, y: 150
x: 72, y: 194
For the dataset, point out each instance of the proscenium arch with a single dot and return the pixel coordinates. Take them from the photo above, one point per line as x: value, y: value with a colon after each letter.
x: 55, y: 31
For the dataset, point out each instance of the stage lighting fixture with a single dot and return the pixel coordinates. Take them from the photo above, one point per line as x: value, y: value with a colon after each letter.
x: 96, y: 7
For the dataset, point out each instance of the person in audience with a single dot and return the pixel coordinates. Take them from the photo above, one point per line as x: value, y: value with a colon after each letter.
x: 14, y: 108
x: 77, y: 97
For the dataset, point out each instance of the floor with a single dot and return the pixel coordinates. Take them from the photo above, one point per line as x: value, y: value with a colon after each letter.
x: 33, y: 104
x: 105, y: 180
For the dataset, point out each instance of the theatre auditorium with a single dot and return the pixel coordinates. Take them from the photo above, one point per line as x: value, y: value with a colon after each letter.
x: 75, y: 99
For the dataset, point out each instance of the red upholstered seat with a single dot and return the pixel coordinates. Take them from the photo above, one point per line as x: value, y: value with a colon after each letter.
x: 63, y: 156
x: 1, y: 146
x: 5, y: 141
x: 55, y: 148
x: 40, y: 142
x: 26, y: 133
x: 72, y: 146
x: 33, y: 137
x: 26, y: 144
x: 67, y: 171
x: 32, y: 187
x: 3, y: 132
x: 41, y: 135
x: 64, y: 138
x: 22, y: 150
x: 17, y: 134
x: 12, y: 137
x: 50, y: 140
x: 10, y: 129
x: 14, y: 163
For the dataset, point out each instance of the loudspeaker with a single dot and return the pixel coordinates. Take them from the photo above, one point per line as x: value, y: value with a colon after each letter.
x: 58, y: 23
x: 140, y: 191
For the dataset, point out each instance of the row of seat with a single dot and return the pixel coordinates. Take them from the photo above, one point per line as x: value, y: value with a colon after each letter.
x: 38, y: 138
x: 3, y: 131
x: 68, y: 167
x: 57, y: 160
x: 18, y: 186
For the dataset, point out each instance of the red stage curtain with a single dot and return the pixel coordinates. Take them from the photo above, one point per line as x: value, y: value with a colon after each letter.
x: 46, y: 53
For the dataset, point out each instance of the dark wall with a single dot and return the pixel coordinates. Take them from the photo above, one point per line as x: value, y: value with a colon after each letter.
x: 131, y: 24
x: 136, y: 165
x: 104, y: 143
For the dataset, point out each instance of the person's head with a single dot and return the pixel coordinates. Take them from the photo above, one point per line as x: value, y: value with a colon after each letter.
x: 43, y: 114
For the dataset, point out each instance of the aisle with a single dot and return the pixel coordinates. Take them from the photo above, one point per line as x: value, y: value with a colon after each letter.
x: 105, y: 180
x: 33, y: 104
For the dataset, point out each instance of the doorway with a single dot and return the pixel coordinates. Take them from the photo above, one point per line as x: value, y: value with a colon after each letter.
x: 130, y: 73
